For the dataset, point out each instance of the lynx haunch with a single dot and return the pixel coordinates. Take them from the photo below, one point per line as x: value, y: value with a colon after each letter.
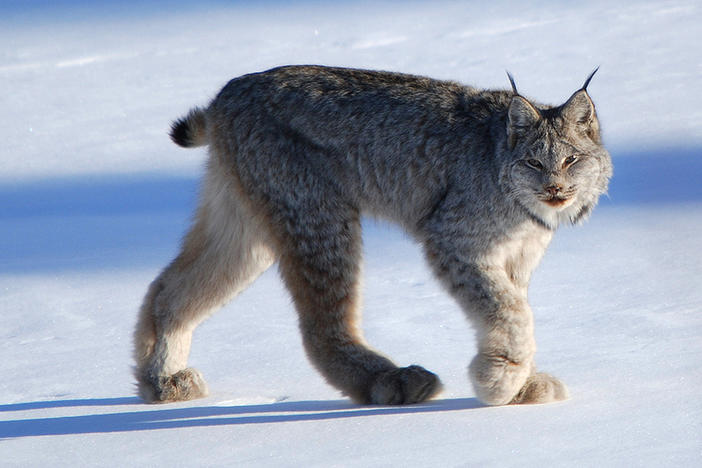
x: 297, y: 154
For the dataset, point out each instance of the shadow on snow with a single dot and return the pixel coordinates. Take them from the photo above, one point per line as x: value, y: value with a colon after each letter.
x: 201, y: 416
x: 112, y: 222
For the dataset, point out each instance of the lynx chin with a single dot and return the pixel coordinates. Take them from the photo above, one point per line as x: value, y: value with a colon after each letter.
x: 298, y: 154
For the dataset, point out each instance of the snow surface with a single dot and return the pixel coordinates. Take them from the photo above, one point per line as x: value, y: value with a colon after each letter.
x: 94, y: 199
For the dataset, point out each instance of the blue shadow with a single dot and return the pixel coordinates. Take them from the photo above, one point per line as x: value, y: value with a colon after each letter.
x: 104, y: 222
x: 107, y: 195
x: 35, y: 405
x: 118, y: 221
x: 656, y: 176
x: 171, y: 418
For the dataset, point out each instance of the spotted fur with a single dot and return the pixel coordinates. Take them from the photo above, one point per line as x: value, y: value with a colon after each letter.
x: 298, y: 154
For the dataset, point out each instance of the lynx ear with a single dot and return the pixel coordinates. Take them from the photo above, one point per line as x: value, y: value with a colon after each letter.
x: 579, y: 111
x: 579, y: 108
x: 521, y: 117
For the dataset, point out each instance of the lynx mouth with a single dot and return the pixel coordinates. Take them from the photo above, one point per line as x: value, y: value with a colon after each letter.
x: 557, y: 202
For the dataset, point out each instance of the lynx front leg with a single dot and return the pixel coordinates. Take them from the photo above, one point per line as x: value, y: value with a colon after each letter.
x: 505, y: 344
x: 320, y: 265
x: 503, y: 371
x: 541, y: 388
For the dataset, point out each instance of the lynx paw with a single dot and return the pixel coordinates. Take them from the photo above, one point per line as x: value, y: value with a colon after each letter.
x: 187, y: 384
x: 541, y: 388
x: 403, y: 386
x: 496, y: 378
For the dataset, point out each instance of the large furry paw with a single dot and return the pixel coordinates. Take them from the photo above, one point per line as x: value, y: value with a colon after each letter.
x: 187, y: 384
x: 403, y: 386
x: 541, y: 388
x: 496, y: 378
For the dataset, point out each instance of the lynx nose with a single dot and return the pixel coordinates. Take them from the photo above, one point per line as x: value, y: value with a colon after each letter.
x: 553, y: 189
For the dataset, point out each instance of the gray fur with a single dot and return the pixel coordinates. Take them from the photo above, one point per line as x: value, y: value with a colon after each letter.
x: 480, y: 178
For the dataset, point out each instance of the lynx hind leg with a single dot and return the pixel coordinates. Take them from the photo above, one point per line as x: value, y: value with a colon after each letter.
x: 221, y: 255
x: 320, y: 265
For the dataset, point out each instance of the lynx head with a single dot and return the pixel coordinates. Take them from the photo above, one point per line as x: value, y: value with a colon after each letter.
x: 558, y: 166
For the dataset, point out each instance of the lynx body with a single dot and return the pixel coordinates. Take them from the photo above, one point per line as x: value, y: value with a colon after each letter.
x: 298, y: 154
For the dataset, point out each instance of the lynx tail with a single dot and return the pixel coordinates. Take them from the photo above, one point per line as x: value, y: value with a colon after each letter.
x: 191, y: 130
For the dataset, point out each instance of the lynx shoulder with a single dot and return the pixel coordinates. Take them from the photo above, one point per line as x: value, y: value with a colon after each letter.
x: 297, y: 154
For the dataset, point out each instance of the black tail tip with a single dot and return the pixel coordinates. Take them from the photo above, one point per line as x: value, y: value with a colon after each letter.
x: 180, y: 133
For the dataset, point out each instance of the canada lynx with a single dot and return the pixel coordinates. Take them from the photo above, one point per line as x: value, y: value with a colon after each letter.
x: 298, y: 154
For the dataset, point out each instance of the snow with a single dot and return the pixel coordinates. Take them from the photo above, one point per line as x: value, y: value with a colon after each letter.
x: 94, y: 199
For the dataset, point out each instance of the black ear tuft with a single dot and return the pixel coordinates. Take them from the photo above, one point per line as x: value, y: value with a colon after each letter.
x: 511, y: 81
x: 587, y: 81
x: 579, y: 108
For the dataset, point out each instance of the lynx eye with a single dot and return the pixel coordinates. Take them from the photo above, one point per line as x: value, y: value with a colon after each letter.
x: 569, y: 160
x: 535, y: 164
